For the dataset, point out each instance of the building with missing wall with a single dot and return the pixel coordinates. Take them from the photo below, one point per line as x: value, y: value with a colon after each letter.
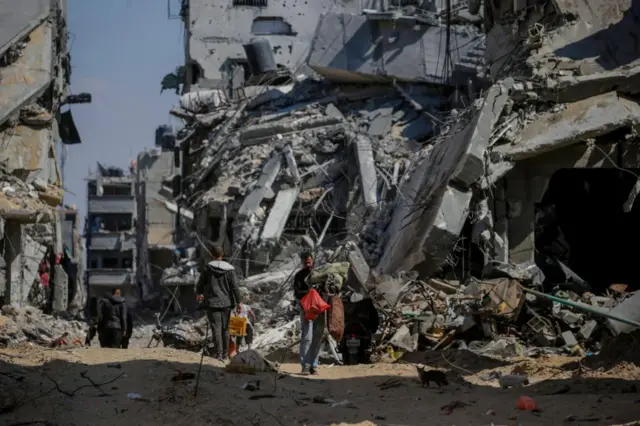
x: 110, y: 235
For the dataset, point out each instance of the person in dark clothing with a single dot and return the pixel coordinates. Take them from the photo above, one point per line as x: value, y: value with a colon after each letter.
x: 312, y: 332
x: 217, y: 289
x: 129, y: 331
x: 112, y: 320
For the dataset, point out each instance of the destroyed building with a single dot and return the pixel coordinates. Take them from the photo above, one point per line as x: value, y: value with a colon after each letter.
x: 39, y: 264
x: 110, y: 233
x: 485, y: 148
x: 162, y: 239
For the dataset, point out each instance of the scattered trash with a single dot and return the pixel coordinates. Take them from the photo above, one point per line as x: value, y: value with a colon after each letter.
x: 137, y: 397
x: 526, y: 403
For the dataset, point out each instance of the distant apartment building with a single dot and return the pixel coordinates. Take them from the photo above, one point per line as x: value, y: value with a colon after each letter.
x: 217, y: 30
x: 162, y: 238
x: 110, y: 235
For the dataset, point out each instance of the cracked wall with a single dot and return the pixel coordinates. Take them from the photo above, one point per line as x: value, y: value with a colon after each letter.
x: 218, y: 31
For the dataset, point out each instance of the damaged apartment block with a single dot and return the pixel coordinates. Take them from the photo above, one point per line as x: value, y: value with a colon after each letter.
x: 41, y: 250
x: 110, y: 235
x: 276, y: 162
x: 490, y: 147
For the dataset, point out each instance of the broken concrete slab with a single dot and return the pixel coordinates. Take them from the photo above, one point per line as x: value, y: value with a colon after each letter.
x: 444, y: 233
x: 336, y: 50
x: 367, y: 167
x: 359, y: 265
x: 19, y: 19
x: 33, y: 254
x: 581, y: 120
x: 29, y: 76
x: 473, y: 166
x: 269, y: 279
x: 587, y: 329
x: 291, y: 163
x: 569, y: 339
x: 279, y: 214
x: 60, y: 290
x: 260, y: 133
x: 380, y: 123
x: 575, y: 88
x: 262, y: 188
x: 629, y: 309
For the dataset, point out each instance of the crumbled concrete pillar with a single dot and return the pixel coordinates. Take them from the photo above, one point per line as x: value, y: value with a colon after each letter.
x: 33, y: 254
x: 13, y: 259
x: 291, y: 163
x: 60, y: 289
x: 279, y: 214
x: 359, y: 265
x: 473, y: 166
x: 263, y: 187
x: 367, y: 166
x: 259, y: 133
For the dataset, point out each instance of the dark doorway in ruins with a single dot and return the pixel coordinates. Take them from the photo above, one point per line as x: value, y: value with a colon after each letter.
x: 580, y: 222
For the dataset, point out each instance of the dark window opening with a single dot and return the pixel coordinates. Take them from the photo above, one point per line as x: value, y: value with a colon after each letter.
x: 110, y: 262
x: 401, y: 3
x: 581, y: 223
x: 195, y: 72
x: 107, y: 260
x: 92, y: 188
x: 111, y: 222
x: 250, y: 3
x: 214, y: 224
x: 116, y: 189
x: 271, y: 25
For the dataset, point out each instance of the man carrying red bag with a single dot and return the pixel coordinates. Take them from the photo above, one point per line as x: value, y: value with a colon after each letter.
x: 312, y: 322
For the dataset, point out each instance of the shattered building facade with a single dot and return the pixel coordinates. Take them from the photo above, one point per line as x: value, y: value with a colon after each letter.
x: 110, y: 233
x: 495, y: 140
x: 162, y: 240
x: 39, y: 263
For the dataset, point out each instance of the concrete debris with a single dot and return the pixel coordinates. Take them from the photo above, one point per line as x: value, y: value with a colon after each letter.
x: 449, y: 205
x: 29, y: 324
x: 41, y: 264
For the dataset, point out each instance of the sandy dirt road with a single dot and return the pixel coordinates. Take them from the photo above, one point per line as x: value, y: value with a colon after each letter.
x: 42, y: 384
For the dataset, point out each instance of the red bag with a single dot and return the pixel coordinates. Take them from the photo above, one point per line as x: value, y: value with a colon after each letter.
x: 313, y: 305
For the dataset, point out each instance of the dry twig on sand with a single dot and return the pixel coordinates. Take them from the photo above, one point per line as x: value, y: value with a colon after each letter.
x: 25, y: 401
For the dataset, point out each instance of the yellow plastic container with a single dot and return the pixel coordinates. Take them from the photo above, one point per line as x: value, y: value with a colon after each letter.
x: 237, y: 326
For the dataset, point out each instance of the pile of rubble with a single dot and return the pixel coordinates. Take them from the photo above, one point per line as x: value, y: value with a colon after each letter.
x: 442, y: 180
x: 496, y: 317
x: 28, y: 324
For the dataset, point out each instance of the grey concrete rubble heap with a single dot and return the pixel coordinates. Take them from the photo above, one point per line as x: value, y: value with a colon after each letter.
x: 34, y: 77
x: 29, y: 324
x: 436, y: 196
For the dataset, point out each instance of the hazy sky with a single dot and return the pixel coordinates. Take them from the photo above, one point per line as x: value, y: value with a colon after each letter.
x: 120, y: 50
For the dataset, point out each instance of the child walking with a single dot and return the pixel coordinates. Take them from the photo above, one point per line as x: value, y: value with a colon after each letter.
x: 245, y: 311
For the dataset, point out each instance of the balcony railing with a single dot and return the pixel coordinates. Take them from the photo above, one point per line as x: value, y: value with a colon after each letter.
x: 110, y: 277
x: 111, y: 204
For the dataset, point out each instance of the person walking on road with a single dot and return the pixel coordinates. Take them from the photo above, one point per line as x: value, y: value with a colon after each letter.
x: 112, y: 320
x: 312, y: 331
x: 217, y: 288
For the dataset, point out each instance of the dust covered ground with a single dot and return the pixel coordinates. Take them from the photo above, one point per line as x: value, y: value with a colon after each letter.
x: 44, y: 384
